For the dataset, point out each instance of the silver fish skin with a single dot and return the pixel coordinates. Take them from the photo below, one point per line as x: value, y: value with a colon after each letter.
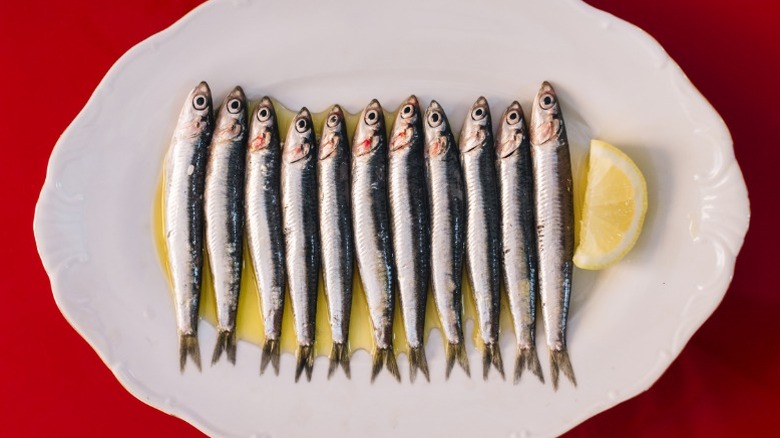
x: 301, y: 233
x: 483, y: 237
x: 333, y: 173
x: 554, y: 222
x: 410, y: 227
x: 264, y: 222
x: 185, y: 176
x: 444, y: 183
x: 224, y: 207
x: 518, y: 234
x: 371, y: 223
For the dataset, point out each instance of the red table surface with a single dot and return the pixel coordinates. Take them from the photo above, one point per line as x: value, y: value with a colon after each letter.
x: 725, y: 383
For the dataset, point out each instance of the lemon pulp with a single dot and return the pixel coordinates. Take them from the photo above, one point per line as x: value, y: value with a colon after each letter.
x: 613, y: 207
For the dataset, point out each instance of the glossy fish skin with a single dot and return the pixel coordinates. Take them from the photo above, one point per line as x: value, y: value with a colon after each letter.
x: 224, y: 207
x: 185, y: 176
x: 555, y: 223
x: 410, y: 227
x: 264, y: 224
x: 444, y: 183
x: 518, y: 234
x: 333, y: 173
x: 483, y: 237
x: 371, y: 223
x: 301, y: 233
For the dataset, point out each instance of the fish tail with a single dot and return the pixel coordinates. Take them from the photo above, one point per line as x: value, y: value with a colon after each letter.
x: 492, y: 354
x: 417, y: 361
x: 270, y: 355
x: 384, y: 356
x: 188, y: 346
x: 305, y: 361
x: 226, y: 341
x: 559, y: 361
x: 339, y: 355
x: 456, y: 351
x: 527, y: 358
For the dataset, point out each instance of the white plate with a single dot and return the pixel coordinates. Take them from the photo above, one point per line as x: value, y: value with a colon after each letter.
x: 93, y: 219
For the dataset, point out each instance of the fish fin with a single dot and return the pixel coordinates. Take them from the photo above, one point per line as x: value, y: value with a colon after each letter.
x: 527, y: 358
x: 339, y: 355
x: 188, y: 346
x: 559, y: 361
x: 533, y: 365
x: 457, y: 351
x: 226, y: 341
x: 417, y: 361
x: 270, y: 355
x: 384, y: 356
x: 305, y: 361
x: 492, y: 354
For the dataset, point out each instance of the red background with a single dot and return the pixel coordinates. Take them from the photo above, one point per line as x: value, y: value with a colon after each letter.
x: 725, y: 383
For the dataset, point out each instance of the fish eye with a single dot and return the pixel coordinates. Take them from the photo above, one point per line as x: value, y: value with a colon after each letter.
x: 200, y: 102
x: 264, y: 114
x: 301, y: 125
x: 478, y: 113
x: 407, y: 111
x: 434, y: 119
x: 372, y: 117
x: 234, y: 106
x: 333, y: 120
x: 547, y: 101
x: 513, y: 117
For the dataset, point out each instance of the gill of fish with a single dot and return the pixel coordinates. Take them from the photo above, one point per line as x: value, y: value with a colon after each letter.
x: 333, y: 173
x: 301, y: 233
x: 264, y: 224
x: 185, y: 174
x: 224, y: 207
x: 371, y: 224
x: 410, y: 227
x: 482, y: 227
x: 444, y: 184
x: 554, y: 222
x: 518, y: 234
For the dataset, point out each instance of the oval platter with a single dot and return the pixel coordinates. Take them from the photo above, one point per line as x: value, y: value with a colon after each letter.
x: 93, y: 222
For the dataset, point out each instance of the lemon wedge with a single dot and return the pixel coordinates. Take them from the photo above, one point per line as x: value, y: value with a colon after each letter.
x: 613, y: 208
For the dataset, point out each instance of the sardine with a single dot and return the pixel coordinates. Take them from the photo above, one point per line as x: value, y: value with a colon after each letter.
x: 518, y: 234
x: 447, y: 223
x: 483, y: 237
x: 554, y: 223
x: 371, y: 221
x: 264, y: 224
x: 224, y: 206
x: 336, y: 232
x: 301, y: 233
x: 185, y: 175
x: 410, y: 227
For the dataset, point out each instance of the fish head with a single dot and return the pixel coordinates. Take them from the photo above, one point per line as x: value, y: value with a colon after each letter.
x: 511, y: 131
x: 546, y: 120
x: 334, y: 132
x: 407, y: 127
x: 300, y: 138
x: 197, y: 114
x: 438, y: 137
x: 263, y: 128
x: 370, y: 131
x: 477, y: 128
x: 231, y: 120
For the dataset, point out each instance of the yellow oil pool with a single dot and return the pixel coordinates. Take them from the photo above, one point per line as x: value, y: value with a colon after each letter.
x: 249, y: 321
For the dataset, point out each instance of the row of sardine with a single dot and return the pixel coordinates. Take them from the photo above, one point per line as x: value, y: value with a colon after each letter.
x: 409, y: 209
